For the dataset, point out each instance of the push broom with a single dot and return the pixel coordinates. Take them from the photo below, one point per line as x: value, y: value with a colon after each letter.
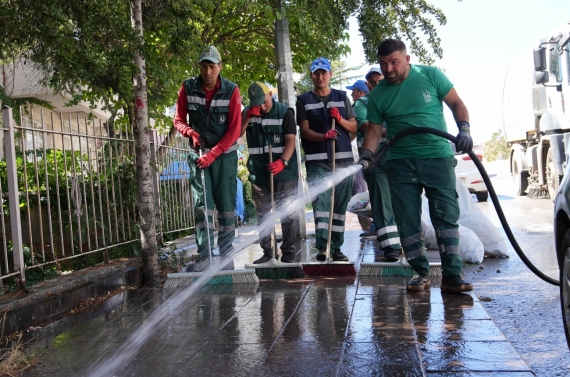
x: 398, y: 268
x: 221, y: 277
x: 329, y: 268
x: 273, y: 269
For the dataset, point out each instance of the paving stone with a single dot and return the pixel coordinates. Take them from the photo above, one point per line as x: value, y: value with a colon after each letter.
x: 455, y: 356
x: 382, y: 358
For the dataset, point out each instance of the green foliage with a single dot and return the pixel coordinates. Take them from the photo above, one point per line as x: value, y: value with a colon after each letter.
x: 496, y: 148
x: 87, y: 47
x: 33, y: 275
x: 172, y: 260
x: 22, y: 102
x: 46, y: 176
x: 89, y: 42
x: 407, y: 20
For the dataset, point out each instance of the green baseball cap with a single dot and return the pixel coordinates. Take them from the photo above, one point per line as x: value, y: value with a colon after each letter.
x: 256, y: 93
x: 211, y: 54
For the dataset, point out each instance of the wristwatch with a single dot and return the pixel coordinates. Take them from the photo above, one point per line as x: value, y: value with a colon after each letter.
x: 285, y: 162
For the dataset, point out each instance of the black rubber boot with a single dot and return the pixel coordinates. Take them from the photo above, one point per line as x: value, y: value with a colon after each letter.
x: 288, y: 257
x: 322, y: 255
x: 263, y: 259
x: 338, y: 256
x: 392, y: 255
x: 455, y: 284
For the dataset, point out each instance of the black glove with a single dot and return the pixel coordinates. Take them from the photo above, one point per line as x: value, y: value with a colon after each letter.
x: 366, y: 160
x: 464, y: 141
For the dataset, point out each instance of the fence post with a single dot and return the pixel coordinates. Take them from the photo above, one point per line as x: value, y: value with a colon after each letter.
x: 14, y: 195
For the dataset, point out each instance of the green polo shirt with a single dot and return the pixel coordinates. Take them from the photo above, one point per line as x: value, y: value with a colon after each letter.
x: 416, y: 102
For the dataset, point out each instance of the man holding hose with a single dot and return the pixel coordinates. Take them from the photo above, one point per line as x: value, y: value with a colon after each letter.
x: 316, y: 110
x: 267, y: 122
x: 208, y: 112
x: 411, y: 96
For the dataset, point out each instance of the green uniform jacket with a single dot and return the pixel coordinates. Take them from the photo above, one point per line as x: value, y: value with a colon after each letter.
x: 358, y: 111
x: 210, y: 125
x: 261, y: 133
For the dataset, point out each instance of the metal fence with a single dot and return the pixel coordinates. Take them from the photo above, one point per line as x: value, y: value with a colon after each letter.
x: 68, y: 188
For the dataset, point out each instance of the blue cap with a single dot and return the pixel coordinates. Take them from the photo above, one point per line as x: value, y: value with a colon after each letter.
x: 373, y: 70
x: 359, y: 84
x: 321, y: 63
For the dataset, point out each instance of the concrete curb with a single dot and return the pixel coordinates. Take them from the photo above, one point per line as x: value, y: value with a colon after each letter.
x: 49, y: 301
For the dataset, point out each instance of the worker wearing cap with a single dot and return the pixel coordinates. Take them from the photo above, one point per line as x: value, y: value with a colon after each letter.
x: 208, y: 112
x: 379, y: 191
x: 316, y: 110
x: 359, y: 92
x: 267, y: 122
x: 412, y: 96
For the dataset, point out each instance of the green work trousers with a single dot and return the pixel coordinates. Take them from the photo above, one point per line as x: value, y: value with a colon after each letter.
x: 221, y: 192
x: 322, y: 205
x: 381, y: 204
x: 284, y: 193
x: 436, y: 176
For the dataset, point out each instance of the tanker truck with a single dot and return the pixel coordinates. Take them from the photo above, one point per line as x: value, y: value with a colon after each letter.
x: 536, y: 118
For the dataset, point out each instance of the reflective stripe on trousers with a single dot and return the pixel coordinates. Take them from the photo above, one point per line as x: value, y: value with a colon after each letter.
x: 322, y: 206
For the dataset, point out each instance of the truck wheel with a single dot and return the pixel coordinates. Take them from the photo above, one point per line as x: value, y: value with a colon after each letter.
x: 482, y: 196
x: 520, y: 178
x: 552, y: 176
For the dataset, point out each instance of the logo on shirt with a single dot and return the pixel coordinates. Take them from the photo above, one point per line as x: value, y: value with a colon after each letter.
x: 427, y: 95
x: 276, y: 138
x: 223, y: 118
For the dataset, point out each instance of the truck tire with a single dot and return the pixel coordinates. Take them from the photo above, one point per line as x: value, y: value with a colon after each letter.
x: 520, y: 178
x: 482, y: 196
x: 552, y: 176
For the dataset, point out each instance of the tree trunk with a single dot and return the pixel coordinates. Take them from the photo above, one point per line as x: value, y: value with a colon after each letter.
x: 145, y: 195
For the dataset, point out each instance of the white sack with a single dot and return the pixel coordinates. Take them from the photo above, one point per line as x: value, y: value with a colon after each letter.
x: 470, y: 247
x: 473, y: 218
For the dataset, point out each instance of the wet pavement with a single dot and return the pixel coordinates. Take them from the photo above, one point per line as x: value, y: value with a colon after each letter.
x: 338, y: 326
x: 525, y: 308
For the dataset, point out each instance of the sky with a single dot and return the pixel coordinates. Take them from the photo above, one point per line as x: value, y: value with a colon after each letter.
x: 479, y: 41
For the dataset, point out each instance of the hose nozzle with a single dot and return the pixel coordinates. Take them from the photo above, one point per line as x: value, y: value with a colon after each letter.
x: 365, y: 164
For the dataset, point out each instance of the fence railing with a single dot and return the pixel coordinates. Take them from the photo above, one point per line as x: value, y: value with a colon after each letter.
x: 68, y: 188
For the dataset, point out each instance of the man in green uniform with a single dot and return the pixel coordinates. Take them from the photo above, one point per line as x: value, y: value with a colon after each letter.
x: 267, y: 122
x: 377, y: 180
x: 413, y: 96
x: 316, y: 110
x: 208, y: 112
x: 373, y: 77
x: 359, y: 92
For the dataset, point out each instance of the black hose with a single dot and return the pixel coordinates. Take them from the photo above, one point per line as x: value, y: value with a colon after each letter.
x: 490, y: 188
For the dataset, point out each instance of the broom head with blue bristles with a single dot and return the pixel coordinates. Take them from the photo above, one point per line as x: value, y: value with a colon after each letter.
x: 240, y: 276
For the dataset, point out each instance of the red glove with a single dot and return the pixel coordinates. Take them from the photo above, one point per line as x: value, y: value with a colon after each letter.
x: 330, y: 134
x: 194, y: 138
x: 254, y: 111
x: 333, y: 112
x: 276, y: 166
x: 207, y: 159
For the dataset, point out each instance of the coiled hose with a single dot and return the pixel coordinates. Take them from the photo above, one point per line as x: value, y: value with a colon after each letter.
x: 487, y: 181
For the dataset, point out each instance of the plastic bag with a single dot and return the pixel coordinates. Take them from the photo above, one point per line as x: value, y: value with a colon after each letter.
x: 473, y: 218
x: 359, y: 204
